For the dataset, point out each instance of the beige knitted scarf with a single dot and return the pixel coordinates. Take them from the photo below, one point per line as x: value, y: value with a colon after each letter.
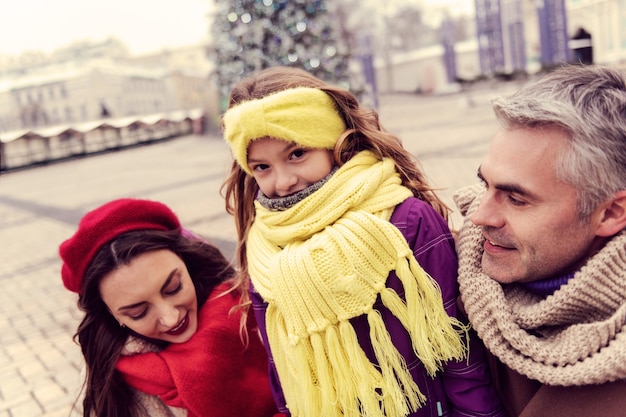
x: 577, y: 336
x: 324, y: 261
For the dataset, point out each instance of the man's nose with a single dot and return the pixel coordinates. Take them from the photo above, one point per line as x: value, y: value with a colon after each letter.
x: 487, y: 213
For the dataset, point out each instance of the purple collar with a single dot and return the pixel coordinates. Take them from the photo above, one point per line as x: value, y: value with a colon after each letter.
x: 548, y: 286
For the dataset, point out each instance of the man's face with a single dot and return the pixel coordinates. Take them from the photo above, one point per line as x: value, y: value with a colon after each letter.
x: 528, y: 217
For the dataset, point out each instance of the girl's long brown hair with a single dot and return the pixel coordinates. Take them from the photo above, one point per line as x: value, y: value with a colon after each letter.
x: 364, y: 131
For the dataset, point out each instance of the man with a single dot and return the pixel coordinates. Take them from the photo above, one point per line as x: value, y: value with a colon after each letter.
x: 542, y: 251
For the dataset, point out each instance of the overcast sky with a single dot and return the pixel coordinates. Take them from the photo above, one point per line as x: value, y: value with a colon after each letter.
x: 143, y: 25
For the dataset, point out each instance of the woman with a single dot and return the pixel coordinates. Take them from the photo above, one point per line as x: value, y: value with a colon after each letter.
x: 160, y: 335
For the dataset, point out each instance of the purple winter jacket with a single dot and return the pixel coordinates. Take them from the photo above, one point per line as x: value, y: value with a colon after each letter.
x: 463, y: 388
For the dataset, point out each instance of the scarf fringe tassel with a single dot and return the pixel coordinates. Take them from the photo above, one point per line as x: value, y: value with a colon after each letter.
x: 388, y: 389
x: 436, y: 336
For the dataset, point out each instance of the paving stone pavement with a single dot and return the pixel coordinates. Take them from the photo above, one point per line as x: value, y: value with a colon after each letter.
x: 41, y: 368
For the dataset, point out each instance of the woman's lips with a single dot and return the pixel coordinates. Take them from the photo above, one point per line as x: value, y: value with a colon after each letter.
x: 180, y: 328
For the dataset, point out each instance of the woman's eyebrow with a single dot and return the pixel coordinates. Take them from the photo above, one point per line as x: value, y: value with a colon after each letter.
x: 163, y: 287
x: 131, y: 306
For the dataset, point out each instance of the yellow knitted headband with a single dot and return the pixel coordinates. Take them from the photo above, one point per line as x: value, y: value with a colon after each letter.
x: 302, y: 115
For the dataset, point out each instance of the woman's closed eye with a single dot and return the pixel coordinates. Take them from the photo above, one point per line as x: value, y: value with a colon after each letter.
x: 143, y: 312
x: 137, y: 315
x: 175, y: 290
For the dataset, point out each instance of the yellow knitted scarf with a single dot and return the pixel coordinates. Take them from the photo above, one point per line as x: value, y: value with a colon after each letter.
x: 324, y: 261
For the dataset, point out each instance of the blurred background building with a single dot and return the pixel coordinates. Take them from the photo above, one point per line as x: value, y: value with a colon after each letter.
x: 505, y: 39
x: 90, y: 81
x: 369, y: 47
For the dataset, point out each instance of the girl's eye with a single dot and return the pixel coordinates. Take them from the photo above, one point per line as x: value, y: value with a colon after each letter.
x: 297, y: 154
x: 260, y: 167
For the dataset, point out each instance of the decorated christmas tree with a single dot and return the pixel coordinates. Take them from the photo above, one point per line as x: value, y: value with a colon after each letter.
x: 250, y: 35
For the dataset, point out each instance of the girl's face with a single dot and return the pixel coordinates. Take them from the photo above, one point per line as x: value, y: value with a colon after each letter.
x: 283, y: 168
x: 154, y: 296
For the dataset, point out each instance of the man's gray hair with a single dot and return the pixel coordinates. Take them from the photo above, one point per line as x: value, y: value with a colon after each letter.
x: 589, y: 104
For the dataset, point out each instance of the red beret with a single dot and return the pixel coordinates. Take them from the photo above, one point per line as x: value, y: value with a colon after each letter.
x: 104, y: 224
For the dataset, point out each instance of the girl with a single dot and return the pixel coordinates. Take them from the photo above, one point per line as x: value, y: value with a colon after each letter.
x: 340, y: 234
x: 158, y: 336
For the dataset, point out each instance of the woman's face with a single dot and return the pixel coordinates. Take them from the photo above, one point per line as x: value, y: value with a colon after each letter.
x: 282, y: 168
x: 154, y: 296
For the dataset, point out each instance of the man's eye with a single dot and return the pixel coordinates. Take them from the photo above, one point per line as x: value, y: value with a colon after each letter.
x: 515, y: 201
x: 482, y: 180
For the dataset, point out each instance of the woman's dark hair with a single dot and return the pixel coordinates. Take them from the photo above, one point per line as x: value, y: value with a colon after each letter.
x: 100, y: 336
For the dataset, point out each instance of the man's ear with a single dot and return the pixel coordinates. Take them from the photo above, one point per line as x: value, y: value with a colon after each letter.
x: 613, y: 215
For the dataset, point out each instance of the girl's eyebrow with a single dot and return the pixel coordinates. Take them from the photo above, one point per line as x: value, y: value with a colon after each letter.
x: 165, y: 284
x: 288, y: 146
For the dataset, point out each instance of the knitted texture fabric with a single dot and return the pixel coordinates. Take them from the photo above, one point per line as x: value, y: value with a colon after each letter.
x: 213, y: 374
x: 324, y: 261
x: 149, y: 405
x: 303, y: 115
x: 283, y: 203
x: 577, y: 336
